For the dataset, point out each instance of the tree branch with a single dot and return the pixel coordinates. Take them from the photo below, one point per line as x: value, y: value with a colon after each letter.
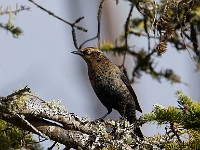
x: 73, y: 25
x: 59, y: 18
x: 50, y: 120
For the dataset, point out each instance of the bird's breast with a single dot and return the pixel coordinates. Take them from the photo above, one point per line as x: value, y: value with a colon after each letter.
x: 107, y: 81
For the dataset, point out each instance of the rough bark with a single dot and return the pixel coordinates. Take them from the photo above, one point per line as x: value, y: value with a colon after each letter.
x: 52, y: 121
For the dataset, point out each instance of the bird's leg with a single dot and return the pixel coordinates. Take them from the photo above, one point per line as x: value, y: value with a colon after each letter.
x: 104, y: 116
x: 124, y: 112
x: 101, y: 119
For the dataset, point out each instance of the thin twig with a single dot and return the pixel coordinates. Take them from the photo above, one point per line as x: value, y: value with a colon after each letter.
x: 73, y: 25
x: 74, y: 31
x: 154, y: 19
x: 74, y: 38
x: 59, y: 18
x: 187, y: 48
x: 99, y: 27
x: 52, y: 146
x: 99, y: 21
x: 142, y: 34
x: 152, y: 25
x: 91, y: 39
x: 182, y: 31
x: 30, y: 125
x: 8, y: 10
x: 174, y: 131
x: 126, y: 31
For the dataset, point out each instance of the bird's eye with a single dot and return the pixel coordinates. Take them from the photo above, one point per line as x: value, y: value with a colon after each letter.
x: 87, y: 52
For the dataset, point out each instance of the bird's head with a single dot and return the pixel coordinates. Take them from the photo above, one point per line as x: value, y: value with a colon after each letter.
x: 91, y: 55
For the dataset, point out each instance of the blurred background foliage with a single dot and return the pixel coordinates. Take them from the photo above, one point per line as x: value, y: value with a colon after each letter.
x: 163, y: 23
x: 182, y: 122
x: 12, y: 137
x: 11, y: 13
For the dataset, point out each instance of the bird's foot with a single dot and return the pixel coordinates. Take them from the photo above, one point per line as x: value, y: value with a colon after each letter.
x: 98, y: 120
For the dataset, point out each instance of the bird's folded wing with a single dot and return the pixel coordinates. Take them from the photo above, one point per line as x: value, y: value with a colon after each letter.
x: 128, y: 85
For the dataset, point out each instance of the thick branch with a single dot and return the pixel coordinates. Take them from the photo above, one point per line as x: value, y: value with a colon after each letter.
x: 25, y: 110
x: 50, y: 120
x: 52, y: 130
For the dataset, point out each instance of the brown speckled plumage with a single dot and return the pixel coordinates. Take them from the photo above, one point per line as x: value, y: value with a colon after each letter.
x: 110, y: 84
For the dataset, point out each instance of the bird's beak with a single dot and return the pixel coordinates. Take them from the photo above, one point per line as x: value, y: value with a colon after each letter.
x: 78, y: 52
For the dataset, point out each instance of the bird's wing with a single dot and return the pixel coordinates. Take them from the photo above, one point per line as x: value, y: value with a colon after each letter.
x: 128, y: 85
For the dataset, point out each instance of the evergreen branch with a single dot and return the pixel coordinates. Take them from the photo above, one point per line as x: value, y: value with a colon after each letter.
x: 15, y: 31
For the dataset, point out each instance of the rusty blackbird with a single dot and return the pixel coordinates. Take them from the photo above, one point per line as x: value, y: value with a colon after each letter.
x: 111, y: 85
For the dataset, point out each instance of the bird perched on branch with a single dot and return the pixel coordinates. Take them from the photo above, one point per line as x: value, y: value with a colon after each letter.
x: 111, y: 85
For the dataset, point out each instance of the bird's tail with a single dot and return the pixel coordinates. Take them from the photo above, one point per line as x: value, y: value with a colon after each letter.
x: 138, y: 132
x: 129, y: 113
